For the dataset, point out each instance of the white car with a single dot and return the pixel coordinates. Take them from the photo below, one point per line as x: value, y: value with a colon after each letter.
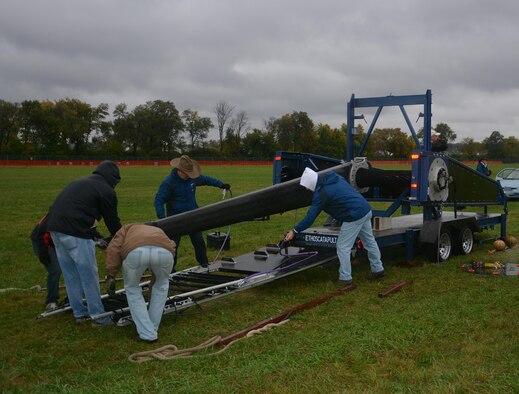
x: 509, y: 180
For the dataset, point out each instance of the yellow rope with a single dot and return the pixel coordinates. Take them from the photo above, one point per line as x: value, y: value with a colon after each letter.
x: 170, y: 352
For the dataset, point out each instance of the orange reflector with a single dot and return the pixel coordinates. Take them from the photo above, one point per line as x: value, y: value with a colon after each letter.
x: 278, y: 158
x: 414, y: 185
x: 415, y: 156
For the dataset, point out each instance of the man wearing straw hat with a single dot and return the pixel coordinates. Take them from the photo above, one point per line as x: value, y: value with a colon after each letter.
x: 178, y: 193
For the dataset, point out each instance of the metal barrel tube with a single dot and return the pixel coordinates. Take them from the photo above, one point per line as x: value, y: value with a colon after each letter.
x: 274, y: 199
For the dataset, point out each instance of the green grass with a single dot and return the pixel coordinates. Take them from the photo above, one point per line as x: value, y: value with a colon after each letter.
x: 447, y: 332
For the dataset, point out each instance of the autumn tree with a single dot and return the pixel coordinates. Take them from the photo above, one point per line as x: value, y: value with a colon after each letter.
x: 389, y: 143
x: 511, y: 148
x: 196, y: 127
x: 494, y: 145
x: 331, y: 142
x: 239, y: 125
x: 261, y: 144
x: 470, y: 149
x: 295, y: 132
x: 8, y: 124
x: 158, y: 127
x: 446, y: 132
x: 223, y: 112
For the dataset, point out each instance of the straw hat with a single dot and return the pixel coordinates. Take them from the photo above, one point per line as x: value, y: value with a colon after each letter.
x: 185, y: 164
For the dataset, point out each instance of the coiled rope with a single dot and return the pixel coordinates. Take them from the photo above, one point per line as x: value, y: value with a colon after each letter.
x: 170, y: 352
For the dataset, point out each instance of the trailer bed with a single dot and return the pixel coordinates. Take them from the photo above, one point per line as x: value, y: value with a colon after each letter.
x: 399, y: 230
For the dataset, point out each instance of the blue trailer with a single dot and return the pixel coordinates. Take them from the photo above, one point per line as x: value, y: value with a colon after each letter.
x: 440, y: 187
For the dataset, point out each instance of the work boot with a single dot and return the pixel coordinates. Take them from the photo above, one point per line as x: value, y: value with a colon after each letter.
x: 102, y: 323
x: 82, y: 319
x: 343, y: 283
x: 376, y: 275
x: 138, y: 338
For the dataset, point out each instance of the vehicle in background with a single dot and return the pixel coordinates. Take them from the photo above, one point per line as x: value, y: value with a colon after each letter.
x: 509, y: 180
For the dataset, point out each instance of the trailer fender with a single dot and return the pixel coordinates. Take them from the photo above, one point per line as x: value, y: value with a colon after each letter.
x: 431, y: 228
x: 430, y: 231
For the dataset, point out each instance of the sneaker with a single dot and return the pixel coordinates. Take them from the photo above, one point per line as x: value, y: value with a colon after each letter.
x: 138, y: 338
x: 82, y: 319
x: 376, y: 275
x: 343, y: 283
x: 51, y: 306
x: 101, y: 323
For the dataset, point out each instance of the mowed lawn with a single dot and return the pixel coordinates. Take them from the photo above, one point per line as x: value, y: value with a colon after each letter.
x: 449, y: 331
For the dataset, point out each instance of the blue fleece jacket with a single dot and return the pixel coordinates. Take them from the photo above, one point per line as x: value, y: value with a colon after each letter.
x: 179, y: 195
x: 482, y: 169
x: 337, y: 198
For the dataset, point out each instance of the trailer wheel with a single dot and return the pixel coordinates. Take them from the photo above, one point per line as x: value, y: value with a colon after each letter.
x: 440, y: 250
x: 465, y: 241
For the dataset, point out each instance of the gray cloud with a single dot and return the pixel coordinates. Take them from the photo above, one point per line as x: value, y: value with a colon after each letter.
x: 270, y: 57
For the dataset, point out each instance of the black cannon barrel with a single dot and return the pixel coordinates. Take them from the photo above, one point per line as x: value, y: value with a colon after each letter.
x: 274, y: 199
x: 278, y: 198
x: 388, y: 183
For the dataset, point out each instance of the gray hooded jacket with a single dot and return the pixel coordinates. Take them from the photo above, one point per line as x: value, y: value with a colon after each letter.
x: 85, y: 200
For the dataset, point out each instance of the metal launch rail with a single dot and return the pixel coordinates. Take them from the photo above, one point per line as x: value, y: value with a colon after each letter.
x: 197, y: 285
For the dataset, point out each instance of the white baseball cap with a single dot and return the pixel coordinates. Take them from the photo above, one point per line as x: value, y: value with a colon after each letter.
x: 309, y: 179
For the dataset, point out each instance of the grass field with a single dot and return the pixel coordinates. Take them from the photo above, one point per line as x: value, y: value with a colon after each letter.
x: 448, y: 332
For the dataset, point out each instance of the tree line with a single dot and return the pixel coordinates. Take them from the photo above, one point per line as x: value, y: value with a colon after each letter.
x: 72, y: 128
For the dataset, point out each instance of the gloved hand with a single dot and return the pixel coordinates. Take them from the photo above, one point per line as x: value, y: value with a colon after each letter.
x: 101, y: 243
x: 226, y: 186
x: 110, y: 285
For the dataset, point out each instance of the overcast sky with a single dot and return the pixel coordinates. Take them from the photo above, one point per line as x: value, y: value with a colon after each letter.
x: 270, y: 57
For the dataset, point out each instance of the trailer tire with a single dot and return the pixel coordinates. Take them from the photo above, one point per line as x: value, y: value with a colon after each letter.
x: 440, y: 250
x: 465, y: 242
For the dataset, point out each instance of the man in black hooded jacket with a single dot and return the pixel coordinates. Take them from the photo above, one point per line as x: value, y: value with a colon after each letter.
x: 72, y: 223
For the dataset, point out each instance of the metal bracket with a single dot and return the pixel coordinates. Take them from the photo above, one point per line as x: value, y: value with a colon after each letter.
x: 356, y: 163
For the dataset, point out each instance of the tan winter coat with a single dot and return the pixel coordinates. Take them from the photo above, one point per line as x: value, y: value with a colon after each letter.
x: 130, y: 237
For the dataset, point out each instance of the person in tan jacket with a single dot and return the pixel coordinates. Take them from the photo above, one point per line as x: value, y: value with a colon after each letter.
x: 134, y: 248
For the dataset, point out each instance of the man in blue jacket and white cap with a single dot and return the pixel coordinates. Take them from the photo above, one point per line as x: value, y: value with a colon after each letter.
x: 335, y: 196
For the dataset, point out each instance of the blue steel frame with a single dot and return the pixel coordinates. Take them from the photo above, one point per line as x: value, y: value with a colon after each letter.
x: 388, y: 101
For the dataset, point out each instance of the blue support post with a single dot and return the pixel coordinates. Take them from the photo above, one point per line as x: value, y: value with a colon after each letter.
x: 350, y: 123
x: 427, y: 121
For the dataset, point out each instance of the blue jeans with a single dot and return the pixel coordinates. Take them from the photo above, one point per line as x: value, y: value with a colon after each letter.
x: 53, y: 275
x: 349, y: 232
x: 197, y: 239
x: 77, y: 259
x: 160, y: 262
